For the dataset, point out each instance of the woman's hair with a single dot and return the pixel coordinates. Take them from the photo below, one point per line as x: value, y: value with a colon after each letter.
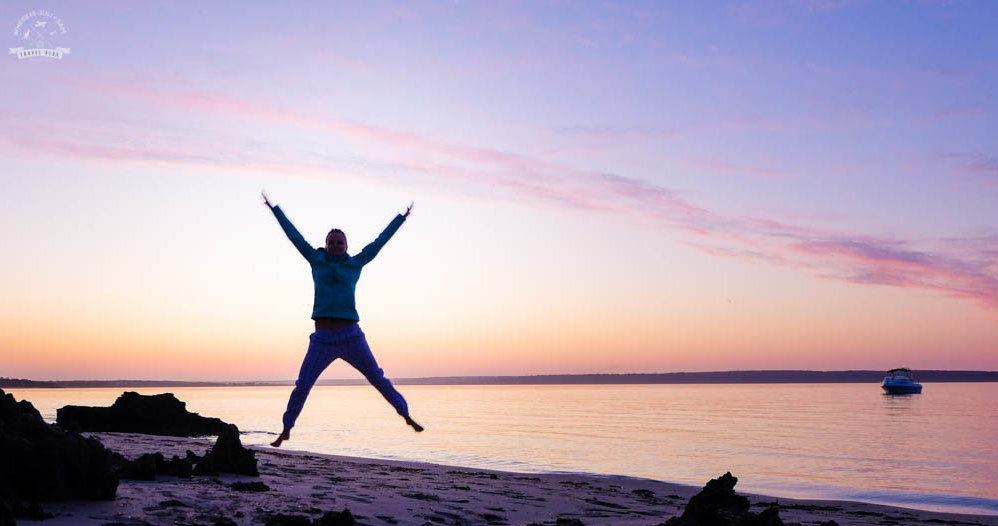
x: 336, y: 230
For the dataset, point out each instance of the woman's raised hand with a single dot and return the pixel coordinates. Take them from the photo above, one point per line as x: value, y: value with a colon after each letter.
x: 265, y: 200
x: 408, y: 209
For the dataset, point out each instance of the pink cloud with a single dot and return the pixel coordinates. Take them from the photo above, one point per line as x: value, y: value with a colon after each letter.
x: 747, y: 254
x: 982, y: 166
x: 891, y: 262
x: 955, y: 268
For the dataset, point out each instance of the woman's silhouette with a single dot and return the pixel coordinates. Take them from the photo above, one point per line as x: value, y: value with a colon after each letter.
x: 337, y: 335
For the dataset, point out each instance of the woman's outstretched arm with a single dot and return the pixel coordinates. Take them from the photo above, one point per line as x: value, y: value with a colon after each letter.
x: 308, y: 251
x: 375, y: 246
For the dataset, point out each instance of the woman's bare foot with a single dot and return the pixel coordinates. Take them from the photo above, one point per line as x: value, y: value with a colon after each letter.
x: 286, y: 434
x: 415, y: 426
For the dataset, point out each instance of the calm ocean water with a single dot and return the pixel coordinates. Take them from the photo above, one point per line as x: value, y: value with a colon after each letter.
x: 937, y: 450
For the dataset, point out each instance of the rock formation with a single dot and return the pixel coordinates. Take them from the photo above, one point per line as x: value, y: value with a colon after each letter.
x: 718, y: 505
x: 41, y: 462
x: 160, y: 414
x: 228, y: 456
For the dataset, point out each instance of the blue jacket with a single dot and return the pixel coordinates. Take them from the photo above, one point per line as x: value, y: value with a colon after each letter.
x: 335, y: 277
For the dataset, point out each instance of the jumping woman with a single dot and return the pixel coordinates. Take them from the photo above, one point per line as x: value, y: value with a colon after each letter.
x: 334, y: 310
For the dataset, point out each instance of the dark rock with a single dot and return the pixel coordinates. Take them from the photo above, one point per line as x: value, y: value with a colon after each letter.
x: 249, y: 486
x: 288, y: 520
x: 142, y: 468
x: 563, y: 521
x: 718, y: 505
x: 224, y: 522
x: 227, y: 456
x: 160, y: 414
x: 41, y: 462
x: 720, y: 493
x: 6, y: 514
x: 768, y: 517
x: 173, y: 503
x: 26, y: 409
x: 147, y: 466
x: 176, y: 466
x: 204, y: 468
x: 333, y: 518
x: 32, y: 512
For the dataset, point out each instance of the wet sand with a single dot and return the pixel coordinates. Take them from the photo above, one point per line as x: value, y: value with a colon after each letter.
x: 379, y: 492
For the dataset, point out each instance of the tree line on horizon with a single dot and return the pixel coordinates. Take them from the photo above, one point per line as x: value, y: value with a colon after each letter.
x: 713, y: 377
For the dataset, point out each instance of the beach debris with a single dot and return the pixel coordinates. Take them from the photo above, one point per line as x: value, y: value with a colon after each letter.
x: 420, y: 496
x: 717, y: 504
x: 173, y: 503
x: 160, y: 414
x: 604, y: 503
x: 863, y: 513
x: 288, y: 520
x: 492, y: 517
x: 250, y: 486
x: 127, y: 521
x: 41, y: 462
x: 336, y: 518
x: 332, y: 518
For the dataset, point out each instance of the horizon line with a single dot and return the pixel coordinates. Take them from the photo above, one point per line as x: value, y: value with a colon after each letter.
x: 729, y: 376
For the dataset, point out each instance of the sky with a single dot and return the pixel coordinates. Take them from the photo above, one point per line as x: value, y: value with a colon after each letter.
x: 599, y: 187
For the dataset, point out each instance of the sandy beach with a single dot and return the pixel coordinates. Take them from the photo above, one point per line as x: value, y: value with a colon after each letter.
x: 404, y: 493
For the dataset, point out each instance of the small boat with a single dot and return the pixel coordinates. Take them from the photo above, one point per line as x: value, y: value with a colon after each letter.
x: 901, y: 381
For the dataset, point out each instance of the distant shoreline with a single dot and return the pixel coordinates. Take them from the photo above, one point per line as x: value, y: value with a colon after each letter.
x: 718, y: 377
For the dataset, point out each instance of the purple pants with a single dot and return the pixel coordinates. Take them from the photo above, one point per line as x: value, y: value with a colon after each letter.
x: 350, y: 344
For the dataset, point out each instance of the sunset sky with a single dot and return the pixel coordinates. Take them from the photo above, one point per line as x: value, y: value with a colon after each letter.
x: 599, y: 186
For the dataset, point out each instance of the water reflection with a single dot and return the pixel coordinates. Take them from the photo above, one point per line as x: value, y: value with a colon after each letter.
x: 900, y: 404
